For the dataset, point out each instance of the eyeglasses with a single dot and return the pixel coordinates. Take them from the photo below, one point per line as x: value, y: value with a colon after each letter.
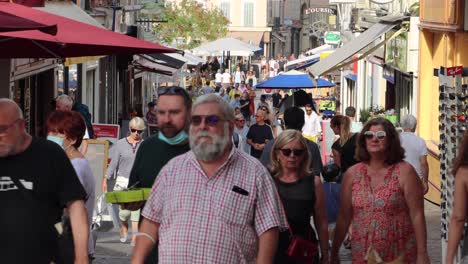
x: 296, y: 152
x: 380, y: 135
x: 210, y: 120
x: 4, y: 128
x: 241, y: 120
x: 173, y: 90
x: 136, y: 130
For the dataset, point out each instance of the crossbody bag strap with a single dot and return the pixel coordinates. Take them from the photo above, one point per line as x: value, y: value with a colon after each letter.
x: 284, y: 208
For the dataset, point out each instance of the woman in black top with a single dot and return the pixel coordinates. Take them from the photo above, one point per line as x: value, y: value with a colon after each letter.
x: 343, y: 151
x: 345, y: 147
x: 301, y: 193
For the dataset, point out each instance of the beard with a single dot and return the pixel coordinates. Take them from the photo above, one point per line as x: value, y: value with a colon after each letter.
x: 209, y: 151
x: 6, y: 149
x: 169, y: 130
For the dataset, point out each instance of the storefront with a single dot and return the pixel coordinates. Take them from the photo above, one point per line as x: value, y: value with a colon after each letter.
x: 443, y: 43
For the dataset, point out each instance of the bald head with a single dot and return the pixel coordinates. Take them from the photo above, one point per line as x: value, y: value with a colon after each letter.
x: 10, y: 109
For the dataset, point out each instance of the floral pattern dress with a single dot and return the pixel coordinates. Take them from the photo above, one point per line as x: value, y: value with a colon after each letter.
x: 381, y: 215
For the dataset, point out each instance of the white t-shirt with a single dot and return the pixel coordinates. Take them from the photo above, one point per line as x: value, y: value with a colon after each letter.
x: 237, y: 77
x: 226, y: 78
x: 312, y: 125
x: 218, y: 77
x: 415, y: 147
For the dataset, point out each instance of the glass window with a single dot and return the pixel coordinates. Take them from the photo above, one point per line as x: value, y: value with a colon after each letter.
x: 248, y: 14
x: 226, y: 9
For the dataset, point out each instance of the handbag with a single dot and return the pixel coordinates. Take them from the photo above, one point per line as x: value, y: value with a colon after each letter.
x: 372, y: 256
x: 301, y: 250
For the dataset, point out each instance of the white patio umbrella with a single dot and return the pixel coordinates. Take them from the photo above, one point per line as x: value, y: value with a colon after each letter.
x: 217, y: 47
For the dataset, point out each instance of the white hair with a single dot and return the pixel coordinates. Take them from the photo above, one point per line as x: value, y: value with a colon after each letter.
x: 137, y: 123
x: 226, y: 109
x: 409, y: 122
x: 65, y: 100
x: 7, y: 101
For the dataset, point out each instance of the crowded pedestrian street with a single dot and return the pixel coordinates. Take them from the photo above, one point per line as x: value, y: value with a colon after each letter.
x: 234, y: 132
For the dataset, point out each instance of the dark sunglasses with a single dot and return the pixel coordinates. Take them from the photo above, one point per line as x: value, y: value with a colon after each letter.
x: 296, y: 152
x: 380, y: 135
x: 4, y: 128
x: 136, y: 130
x: 210, y: 120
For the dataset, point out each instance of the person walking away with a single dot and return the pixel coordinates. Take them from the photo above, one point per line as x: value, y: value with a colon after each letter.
x: 173, y: 114
x: 415, y: 149
x: 29, y: 232
x: 121, y: 164
x: 151, y: 118
x: 332, y: 189
x: 65, y: 103
x: 312, y: 129
x: 294, y: 119
x: 226, y: 79
x: 259, y: 135
x: 242, y: 129
x: 178, y: 209
x: 351, y: 114
x: 245, y: 106
x: 67, y: 129
x: 276, y: 98
x: 381, y: 197
x: 301, y: 193
x: 218, y: 78
x: 459, y: 211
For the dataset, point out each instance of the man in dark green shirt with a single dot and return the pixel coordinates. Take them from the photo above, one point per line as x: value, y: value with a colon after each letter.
x: 173, y: 113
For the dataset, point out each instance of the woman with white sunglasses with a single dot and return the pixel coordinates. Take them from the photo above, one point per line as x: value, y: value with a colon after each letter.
x: 382, y: 199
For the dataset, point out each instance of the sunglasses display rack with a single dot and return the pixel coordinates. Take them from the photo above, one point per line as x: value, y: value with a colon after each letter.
x: 453, y: 109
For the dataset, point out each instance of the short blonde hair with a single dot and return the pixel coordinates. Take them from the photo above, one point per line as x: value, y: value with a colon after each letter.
x: 137, y: 123
x: 286, y: 137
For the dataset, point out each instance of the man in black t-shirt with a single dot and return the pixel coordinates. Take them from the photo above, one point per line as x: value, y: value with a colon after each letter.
x: 276, y: 99
x: 259, y: 134
x: 37, y: 181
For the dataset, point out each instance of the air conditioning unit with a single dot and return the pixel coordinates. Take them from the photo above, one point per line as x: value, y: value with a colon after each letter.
x: 277, y: 22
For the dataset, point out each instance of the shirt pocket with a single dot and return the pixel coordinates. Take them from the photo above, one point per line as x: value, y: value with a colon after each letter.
x: 236, y: 209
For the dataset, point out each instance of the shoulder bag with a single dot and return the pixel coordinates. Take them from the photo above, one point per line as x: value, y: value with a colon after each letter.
x: 372, y: 256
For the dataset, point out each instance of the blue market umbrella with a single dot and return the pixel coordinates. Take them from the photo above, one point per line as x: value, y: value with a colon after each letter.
x: 293, y: 80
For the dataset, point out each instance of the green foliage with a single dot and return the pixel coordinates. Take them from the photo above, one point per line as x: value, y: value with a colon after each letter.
x: 364, y: 115
x: 414, y: 9
x: 191, y: 23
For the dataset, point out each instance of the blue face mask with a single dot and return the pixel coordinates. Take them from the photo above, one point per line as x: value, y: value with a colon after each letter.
x: 56, y: 139
x: 179, y: 138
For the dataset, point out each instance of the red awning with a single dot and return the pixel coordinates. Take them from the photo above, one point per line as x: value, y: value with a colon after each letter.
x: 73, y: 39
x: 10, y: 22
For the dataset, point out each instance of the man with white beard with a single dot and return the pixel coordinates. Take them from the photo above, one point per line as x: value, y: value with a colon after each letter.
x: 214, y: 204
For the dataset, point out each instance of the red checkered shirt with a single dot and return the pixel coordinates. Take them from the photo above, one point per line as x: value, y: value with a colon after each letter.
x: 202, y: 220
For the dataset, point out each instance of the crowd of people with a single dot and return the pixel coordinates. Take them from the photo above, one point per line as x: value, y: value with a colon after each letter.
x: 230, y: 184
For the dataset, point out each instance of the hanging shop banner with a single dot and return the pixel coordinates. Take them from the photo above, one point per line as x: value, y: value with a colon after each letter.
x: 452, y: 71
x: 107, y: 132
x: 396, y: 51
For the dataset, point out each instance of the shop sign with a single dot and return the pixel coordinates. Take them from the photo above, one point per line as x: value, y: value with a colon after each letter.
x: 107, y: 132
x: 452, y: 71
x: 313, y: 10
x: 332, y: 37
x: 396, y: 51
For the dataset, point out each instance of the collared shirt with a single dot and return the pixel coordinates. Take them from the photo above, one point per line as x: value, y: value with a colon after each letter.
x: 216, y: 219
x: 243, y: 133
x: 312, y: 125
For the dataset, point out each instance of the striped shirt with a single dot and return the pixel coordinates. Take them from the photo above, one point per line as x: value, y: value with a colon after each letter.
x: 217, y: 219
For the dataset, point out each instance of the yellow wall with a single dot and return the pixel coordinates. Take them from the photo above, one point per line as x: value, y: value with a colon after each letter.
x: 437, y: 49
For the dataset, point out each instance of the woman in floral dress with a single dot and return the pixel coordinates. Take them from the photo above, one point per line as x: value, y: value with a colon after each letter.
x: 382, y: 197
